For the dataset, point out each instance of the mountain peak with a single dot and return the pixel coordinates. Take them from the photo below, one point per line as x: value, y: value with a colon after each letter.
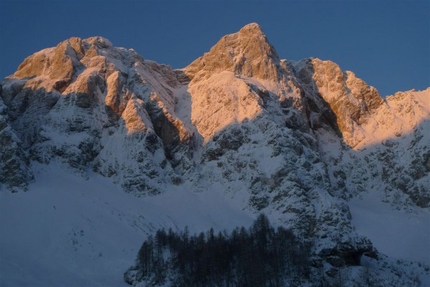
x: 253, y: 28
x: 246, y: 53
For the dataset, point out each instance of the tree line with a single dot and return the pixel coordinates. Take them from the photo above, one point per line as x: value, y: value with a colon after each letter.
x: 258, y: 256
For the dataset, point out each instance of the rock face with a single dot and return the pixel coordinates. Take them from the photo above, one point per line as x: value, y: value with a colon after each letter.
x: 247, y: 53
x: 349, y: 97
x: 15, y: 172
x: 294, y: 140
x: 87, y: 104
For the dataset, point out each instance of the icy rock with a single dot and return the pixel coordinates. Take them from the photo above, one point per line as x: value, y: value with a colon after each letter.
x: 108, y: 97
x: 427, y: 162
x: 15, y: 172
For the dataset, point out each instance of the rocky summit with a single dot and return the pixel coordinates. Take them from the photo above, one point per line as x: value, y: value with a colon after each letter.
x: 296, y: 140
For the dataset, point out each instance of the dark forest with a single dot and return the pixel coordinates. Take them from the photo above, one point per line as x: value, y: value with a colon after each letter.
x: 258, y: 256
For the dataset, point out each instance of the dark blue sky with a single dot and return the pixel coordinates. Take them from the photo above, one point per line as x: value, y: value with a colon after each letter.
x: 386, y: 43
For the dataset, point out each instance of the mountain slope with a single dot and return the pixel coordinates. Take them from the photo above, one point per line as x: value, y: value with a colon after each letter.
x: 97, y: 110
x: 14, y: 165
x: 294, y: 140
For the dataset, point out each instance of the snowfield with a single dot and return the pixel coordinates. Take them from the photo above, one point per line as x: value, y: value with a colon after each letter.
x: 67, y: 231
x: 402, y: 235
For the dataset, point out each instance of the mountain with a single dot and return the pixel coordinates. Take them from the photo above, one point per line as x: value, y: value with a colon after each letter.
x: 238, y: 132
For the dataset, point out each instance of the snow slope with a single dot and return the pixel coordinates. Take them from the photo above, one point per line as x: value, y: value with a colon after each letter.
x: 401, y: 234
x: 66, y: 231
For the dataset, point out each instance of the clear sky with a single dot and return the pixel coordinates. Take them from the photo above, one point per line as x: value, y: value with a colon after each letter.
x: 386, y: 43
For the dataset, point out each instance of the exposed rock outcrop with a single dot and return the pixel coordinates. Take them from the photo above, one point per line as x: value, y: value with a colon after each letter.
x: 350, y: 99
x: 15, y: 172
x: 246, y: 53
x: 88, y: 104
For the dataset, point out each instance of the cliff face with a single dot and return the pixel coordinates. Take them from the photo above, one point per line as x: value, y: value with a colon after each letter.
x: 14, y: 163
x: 295, y: 140
x: 247, y: 53
x: 88, y: 104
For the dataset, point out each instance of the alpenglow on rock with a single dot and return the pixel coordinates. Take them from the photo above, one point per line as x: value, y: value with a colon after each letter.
x: 293, y: 140
x: 247, y: 53
x: 88, y: 104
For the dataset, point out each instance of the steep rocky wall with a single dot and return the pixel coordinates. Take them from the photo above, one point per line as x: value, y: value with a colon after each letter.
x: 87, y: 105
x: 15, y: 172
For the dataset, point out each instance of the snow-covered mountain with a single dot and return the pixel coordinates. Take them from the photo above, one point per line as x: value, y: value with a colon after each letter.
x: 106, y: 142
